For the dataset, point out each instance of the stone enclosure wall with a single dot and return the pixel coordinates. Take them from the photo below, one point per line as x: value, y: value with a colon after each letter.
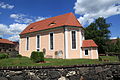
x: 109, y: 71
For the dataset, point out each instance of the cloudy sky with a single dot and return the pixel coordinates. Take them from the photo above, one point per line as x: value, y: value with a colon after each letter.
x: 15, y: 15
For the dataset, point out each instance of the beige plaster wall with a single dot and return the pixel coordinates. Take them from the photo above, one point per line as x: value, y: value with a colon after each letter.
x: 92, y: 53
x: 44, y: 40
x: 58, y: 44
x: 32, y: 46
x: 74, y: 53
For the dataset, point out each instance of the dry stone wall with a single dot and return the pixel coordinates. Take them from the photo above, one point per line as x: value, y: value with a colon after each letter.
x: 110, y: 71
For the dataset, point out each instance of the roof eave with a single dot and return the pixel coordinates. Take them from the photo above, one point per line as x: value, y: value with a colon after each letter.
x: 22, y: 33
x: 89, y: 47
x: 7, y: 43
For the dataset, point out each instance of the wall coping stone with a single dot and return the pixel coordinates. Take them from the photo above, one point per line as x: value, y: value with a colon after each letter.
x: 54, y: 67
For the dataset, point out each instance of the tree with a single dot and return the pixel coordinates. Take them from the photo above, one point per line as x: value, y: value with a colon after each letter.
x: 99, y: 32
x: 117, y: 45
x: 114, y: 46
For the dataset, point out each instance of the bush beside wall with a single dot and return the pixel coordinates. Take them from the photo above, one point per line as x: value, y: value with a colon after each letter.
x: 37, y: 56
x: 3, y: 56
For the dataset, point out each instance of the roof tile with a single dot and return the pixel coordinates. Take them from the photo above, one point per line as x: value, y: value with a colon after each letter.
x: 89, y: 43
x: 68, y: 19
x: 6, y: 41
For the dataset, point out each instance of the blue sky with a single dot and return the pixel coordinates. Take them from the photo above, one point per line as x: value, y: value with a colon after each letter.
x: 15, y: 15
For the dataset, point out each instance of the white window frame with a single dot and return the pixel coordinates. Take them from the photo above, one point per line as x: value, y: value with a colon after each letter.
x: 71, y: 39
x: 27, y: 43
x: 53, y: 41
x: 88, y: 51
x: 39, y: 42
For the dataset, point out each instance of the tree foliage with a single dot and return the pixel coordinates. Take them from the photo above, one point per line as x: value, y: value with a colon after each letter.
x: 114, y: 47
x: 99, y: 32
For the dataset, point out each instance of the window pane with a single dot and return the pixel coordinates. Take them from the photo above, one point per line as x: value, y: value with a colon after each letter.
x: 51, y: 41
x: 38, y: 41
x: 86, y: 52
x: 27, y: 43
x: 73, y: 39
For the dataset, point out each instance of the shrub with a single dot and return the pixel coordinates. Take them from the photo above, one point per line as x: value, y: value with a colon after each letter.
x: 100, y: 59
x: 119, y: 57
x: 19, y: 56
x: 37, y: 56
x: 3, y: 56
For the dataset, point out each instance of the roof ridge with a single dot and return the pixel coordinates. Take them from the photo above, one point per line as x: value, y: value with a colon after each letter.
x: 51, y: 17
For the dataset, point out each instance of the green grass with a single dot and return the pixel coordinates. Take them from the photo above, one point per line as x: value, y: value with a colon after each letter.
x: 24, y: 61
x: 110, y: 58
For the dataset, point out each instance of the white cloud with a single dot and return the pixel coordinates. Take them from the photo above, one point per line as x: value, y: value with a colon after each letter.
x: 22, y: 22
x: 14, y: 38
x: 40, y: 18
x: 12, y: 30
x: 21, y: 18
x: 16, y: 15
x: 6, y: 6
x: 16, y: 28
x: 3, y: 29
x: 113, y: 37
x: 89, y: 10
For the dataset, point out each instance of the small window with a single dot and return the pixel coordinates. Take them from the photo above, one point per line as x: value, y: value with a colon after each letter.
x: 38, y: 42
x: 27, y: 43
x: 73, y: 39
x: 51, y: 41
x: 51, y: 24
x: 31, y: 28
x: 86, y: 52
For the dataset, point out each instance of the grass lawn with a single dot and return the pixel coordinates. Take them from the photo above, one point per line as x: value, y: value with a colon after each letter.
x: 24, y: 61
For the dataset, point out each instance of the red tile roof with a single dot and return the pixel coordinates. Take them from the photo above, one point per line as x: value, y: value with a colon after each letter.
x: 68, y: 19
x: 113, y: 41
x: 89, y: 43
x: 6, y: 41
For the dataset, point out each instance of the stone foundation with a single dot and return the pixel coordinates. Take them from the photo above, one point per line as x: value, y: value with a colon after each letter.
x: 109, y: 71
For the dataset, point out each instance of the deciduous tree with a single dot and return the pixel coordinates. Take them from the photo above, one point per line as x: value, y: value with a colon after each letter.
x: 99, y: 32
